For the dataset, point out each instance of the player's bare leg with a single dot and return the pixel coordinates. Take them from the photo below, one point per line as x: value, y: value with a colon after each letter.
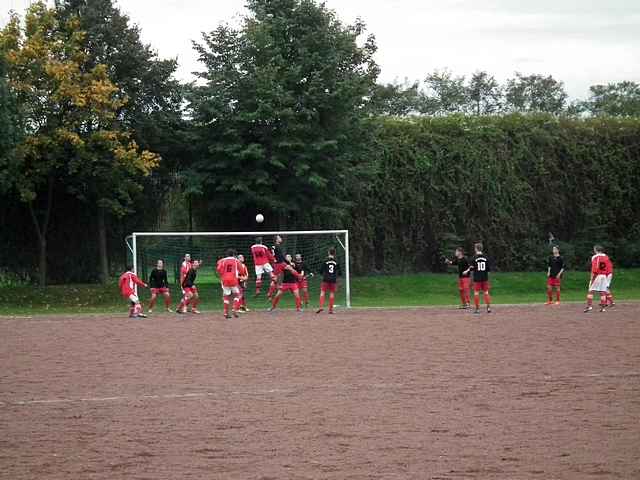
x: 589, y: 306
x: 236, y: 305
x: 167, y: 301
x: 182, y: 306
x: 557, y: 295
x: 226, y: 302
x: 194, y: 304
x: 305, y: 293
x: 603, y: 301
x: 549, y: 295
x: 476, y: 301
x: 463, y: 298
x: 610, y: 301
x: 275, y: 301
x: 258, y: 285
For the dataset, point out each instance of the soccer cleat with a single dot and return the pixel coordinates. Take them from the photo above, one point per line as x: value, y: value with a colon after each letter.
x: 549, y: 302
x: 603, y: 308
x: 476, y: 311
x: 169, y: 310
x: 488, y: 309
x: 150, y: 310
x: 195, y: 311
x: 270, y: 309
x: 462, y: 307
x: 179, y: 311
x: 558, y: 302
x: 235, y: 314
x: 227, y: 316
x: 141, y: 315
x: 319, y: 310
x: 588, y: 309
x: 330, y: 312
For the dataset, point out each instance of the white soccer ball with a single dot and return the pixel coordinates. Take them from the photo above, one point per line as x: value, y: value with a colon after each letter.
x: 259, y: 218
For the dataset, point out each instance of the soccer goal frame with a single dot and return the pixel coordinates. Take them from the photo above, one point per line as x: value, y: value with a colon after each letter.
x: 132, y: 244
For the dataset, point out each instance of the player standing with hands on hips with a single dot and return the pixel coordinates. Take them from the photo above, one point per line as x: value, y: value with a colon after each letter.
x: 330, y: 272
x: 554, y: 275
x: 480, y: 268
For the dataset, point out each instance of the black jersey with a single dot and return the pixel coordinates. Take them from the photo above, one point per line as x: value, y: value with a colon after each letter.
x: 299, y: 266
x: 481, y: 268
x: 289, y: 276
x: 158, y: 279
x: 189, y: 279
x: 277, y: 254
x: 463, y: 266
x: 330, y: 270
x: 555, y: 265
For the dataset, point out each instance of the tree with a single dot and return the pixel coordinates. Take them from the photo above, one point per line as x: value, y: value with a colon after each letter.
x: 614, y: 99
x: 152, y: 112
x: 281, y: 108
x: 446, y: 94
x: 484, y: 94
x: 69, y: 114
x: 535, y: 93
x: 398, y: 99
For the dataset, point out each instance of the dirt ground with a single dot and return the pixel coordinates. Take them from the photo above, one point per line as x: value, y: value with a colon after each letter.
x: 525, y: 392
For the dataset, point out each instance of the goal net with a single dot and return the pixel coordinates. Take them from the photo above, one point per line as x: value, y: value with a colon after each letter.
x: 146, y: 248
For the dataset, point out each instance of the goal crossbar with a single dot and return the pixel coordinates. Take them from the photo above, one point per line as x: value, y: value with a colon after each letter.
x: 133, y: 245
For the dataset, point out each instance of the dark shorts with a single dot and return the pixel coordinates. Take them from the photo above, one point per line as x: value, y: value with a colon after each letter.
x: 328, y: 287
x: 481, y: 286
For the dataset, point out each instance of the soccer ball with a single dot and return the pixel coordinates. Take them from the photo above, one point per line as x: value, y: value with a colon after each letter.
x: 259, y: 218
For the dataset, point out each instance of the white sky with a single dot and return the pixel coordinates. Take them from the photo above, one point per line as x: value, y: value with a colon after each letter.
x: 581, y: 42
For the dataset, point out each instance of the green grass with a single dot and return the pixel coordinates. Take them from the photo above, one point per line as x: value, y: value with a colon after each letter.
x: 379, y: 291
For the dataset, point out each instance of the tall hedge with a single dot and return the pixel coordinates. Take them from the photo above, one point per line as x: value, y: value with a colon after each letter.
x: 507, y: 181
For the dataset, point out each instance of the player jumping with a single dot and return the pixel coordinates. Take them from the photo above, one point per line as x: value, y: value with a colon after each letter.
x: 480, y: 268
x: 464, y: 277
x: 159, y: 286
x: 600, y: 271
x: 303, y: 284
x: 555, y: 269
x: 290, y: 282
x: 243, y: 277
x: 127, y: 283
x: 330, y: 272
x: 190, y: 291
x: 262, y: 258
x: 279, y: 265
x: 228, y: 269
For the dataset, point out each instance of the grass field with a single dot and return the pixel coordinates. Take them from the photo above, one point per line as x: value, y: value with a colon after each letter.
x: 380, y: 291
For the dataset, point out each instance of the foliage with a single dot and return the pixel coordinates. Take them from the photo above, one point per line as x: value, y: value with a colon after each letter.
x: 504, y: 180
x: 615, y: 99
x: 281, y: 107
x: 535, y: 93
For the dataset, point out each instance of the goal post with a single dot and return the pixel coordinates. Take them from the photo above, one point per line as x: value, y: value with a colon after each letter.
x: 146, y: 247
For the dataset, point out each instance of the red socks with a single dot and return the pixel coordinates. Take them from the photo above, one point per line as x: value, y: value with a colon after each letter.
x: 558, y: 295
x: 331, y: 301
x: 298, y: 302
x: 258, y: 286
x: 274, y: 302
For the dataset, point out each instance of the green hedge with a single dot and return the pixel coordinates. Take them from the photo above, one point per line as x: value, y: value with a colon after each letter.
x: 508, y: 181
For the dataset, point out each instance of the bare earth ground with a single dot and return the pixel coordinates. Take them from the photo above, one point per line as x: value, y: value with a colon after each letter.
x: 526, y: 392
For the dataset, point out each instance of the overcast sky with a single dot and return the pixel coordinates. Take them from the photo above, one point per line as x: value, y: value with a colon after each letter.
x: 581, y: 42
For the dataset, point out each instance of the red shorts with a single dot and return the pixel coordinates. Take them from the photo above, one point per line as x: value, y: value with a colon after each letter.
x: 190, y: 290
x: 481, y: 286
x: 289, y: 287
x: 553, y: 282
x: 278, y: 268
x: 328, y: 287
x: 159, y: 291
x: 464, y: 283
x: 303, y: 284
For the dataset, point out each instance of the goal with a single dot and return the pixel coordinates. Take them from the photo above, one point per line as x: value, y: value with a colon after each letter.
x: 145, y: 248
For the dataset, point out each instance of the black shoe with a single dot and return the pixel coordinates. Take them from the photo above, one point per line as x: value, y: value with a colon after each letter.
x: 141, y: 315
x: 603, y: 308
x: 319, y: 310
x: 227, y: 316
x: 588, y: 309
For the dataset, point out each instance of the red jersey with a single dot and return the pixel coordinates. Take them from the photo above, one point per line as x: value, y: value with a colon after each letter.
x: 261, y: 255
x: 127, y: 283
x: 184, y: 269
x: 228, y: 269
x: 601, y: 265
x: 242, y: 271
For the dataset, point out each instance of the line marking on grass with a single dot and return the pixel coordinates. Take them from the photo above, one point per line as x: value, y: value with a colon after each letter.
x: 297, y: 388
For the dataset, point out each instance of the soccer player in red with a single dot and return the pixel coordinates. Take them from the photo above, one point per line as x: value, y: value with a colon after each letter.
x: 610, y: 302
x: 480, y: 267
x: 290, y: 282
x: 464, y: 277
x: 330, y: 272
x: 127, y: 283
x: 600, y: 270
x: 262, y: 259
x: 185, y: 266
x: 303, y: 284
x: 243, y: 277
x: 228, y: 269
x: 159, y: 286
x: 190, y: 295
x: 554, y: 275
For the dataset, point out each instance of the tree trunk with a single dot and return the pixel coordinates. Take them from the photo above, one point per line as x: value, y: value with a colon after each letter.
x: 41, y: 232
x: 103, y: 259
